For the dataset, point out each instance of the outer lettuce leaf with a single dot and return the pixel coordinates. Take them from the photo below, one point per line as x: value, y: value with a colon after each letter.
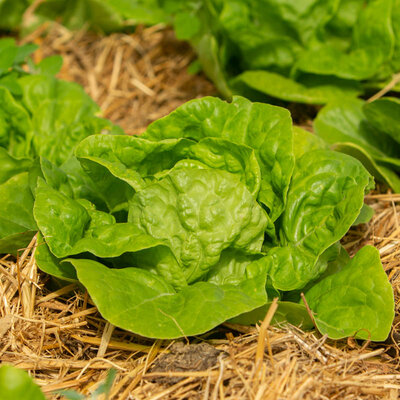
x: 294, y: 313
x: 365, y: 215
x: 345, y: 121
x: 265, y: 128
x: 142, y: 302
x: 50, y: 264
x: 379, y: 170
x: 324, y: 199
x: 354, y: 298
x: 17, y: 225
x: 313, y: 91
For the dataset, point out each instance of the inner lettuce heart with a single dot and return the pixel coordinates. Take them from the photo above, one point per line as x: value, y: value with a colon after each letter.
x: 199, y: 213
x: 206, y: 217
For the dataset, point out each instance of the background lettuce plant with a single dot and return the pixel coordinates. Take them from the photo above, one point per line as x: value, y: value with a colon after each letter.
x: 40, y: 116
x: 304, y: 51
x: 207, y: 216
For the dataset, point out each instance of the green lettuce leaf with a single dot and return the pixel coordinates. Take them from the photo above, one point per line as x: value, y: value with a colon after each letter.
x: 17, y: 225
x: 346, y: 127
x: 324, y: 199
x: 354, y: 299
x: 142, y: 302
x: 15, y: 126
x: 372, y: 46
x: 313, y: 91
x: 17, y: 384
x: 199, y: 213
x: 384, y: 115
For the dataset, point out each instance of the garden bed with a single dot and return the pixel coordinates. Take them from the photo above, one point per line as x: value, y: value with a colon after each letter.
x: 58, y: 335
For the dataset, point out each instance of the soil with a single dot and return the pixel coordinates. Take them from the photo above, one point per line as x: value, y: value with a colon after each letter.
x: 185, y: 357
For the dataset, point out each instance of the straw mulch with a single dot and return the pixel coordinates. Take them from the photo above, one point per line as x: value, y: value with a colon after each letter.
x: 57, y: 334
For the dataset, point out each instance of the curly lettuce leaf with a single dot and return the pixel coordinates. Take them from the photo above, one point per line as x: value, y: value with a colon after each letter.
x: 324, y: 199
x: 136, y: 160
x: 199, y: 213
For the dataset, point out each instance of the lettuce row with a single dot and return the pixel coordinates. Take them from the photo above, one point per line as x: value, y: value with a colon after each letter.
x: 308, y: 52
x: 206, y: 217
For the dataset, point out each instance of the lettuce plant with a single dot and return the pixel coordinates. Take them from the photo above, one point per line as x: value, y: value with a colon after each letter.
x: 206, y: 217
x: 40, y: 116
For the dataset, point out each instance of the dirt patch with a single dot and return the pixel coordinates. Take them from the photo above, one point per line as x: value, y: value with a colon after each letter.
x: 183, y: 358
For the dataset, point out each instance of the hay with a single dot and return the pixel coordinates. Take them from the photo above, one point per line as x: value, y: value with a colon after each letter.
x: 58, y: 335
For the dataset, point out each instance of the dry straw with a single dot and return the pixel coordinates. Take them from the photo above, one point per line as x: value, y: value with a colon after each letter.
x: 57, y: 334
